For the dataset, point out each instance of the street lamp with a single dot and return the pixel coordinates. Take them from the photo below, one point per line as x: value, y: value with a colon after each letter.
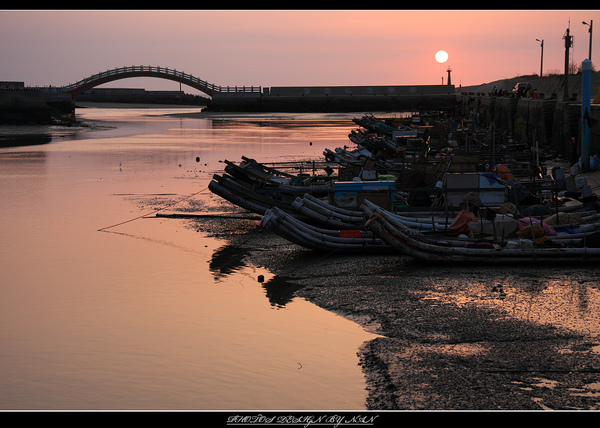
x: 542, y: 60
x: 591, y: 24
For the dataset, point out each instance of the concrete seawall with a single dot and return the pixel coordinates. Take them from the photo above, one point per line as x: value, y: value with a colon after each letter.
x: 552, y: 123
x: 30, y: 106
x: 549, y: 120
x: 22, y: 106
x: 323, y: 99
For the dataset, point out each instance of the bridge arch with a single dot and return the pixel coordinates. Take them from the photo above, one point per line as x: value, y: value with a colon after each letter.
x: 152, y: 71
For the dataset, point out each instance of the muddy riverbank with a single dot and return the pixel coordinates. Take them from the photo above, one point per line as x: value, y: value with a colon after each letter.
x: 450, y: 338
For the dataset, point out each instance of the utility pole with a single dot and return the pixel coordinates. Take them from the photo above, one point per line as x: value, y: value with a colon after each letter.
x: 542, y: 56
x: 586, y: 67
x: 567, y: 38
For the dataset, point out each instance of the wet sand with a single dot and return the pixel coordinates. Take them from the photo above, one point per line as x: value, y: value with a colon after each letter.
x: 450, y: 338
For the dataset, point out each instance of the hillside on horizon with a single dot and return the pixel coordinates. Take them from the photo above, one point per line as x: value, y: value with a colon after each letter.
x: 549, y: 85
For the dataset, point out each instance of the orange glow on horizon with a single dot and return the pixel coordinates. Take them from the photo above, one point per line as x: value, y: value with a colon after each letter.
x: 290, y: 47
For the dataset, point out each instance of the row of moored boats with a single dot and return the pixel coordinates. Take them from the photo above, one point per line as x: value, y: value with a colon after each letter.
x: 418, y: 191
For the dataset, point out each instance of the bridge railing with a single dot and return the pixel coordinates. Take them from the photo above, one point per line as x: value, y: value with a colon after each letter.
x: 160, y: 70
x: 239, y: 89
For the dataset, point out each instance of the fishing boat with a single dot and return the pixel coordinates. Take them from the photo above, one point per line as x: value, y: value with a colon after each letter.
x: 329, y: 228
x: 415, y: 244
x: 321, y: 239
x: 248, y: 197
x: 378, y: 144
x: 331, y: 216
x: 296, y: 174
x: 257, y: 187
x: 345, y: 157
x: 426, y: 183
x: 328, y: 215
x: 370, y: 122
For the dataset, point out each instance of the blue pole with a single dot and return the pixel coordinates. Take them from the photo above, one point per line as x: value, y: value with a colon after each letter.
x: 586, y: 95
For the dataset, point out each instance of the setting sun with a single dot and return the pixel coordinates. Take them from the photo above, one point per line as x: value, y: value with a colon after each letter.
x: 441, y: 56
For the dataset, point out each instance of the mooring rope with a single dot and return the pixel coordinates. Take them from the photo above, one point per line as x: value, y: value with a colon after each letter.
x: 153, y: 212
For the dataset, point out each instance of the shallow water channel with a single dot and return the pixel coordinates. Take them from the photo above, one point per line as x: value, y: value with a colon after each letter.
x: 106, y: 306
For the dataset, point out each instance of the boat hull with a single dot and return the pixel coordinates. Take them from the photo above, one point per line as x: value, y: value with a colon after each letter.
x: 414, y: 244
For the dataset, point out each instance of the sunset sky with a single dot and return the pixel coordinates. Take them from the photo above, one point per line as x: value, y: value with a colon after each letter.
x: 291, y: 47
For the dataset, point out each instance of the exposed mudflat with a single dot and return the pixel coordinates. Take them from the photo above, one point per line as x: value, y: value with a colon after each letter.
x: 450, y: 337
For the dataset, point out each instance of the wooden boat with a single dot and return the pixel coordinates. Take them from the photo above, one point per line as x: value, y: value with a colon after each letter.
x: 321, y: 239
x: 416, y: 245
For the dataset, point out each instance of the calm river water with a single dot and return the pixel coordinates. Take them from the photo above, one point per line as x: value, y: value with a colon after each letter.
x: 133, y: 317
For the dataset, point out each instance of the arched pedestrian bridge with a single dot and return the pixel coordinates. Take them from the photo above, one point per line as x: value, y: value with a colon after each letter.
x: 283, y: 99
x: 151, y: 71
